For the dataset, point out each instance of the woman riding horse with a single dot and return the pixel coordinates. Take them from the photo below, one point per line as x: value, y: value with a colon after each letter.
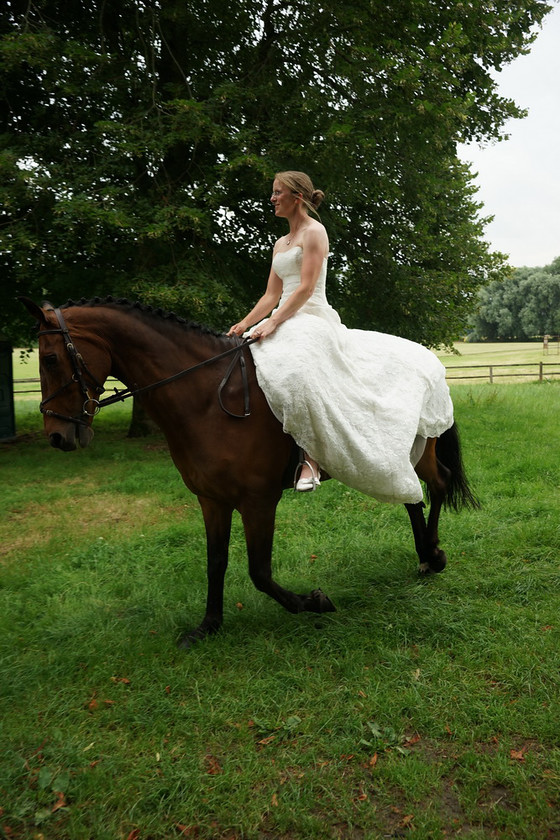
x: 361, y: 404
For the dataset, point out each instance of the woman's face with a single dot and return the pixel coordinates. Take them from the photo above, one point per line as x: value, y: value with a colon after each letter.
x: 283, y: 199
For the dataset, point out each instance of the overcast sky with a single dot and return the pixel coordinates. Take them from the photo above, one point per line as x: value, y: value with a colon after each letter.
x: 519, y: 178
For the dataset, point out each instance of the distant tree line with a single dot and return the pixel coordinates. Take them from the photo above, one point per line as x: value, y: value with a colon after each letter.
x: 525, y: 305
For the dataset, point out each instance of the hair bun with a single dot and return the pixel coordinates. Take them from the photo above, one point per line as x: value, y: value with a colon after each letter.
x: 316, y: 197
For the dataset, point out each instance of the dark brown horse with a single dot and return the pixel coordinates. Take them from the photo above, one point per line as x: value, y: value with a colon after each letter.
x: 200, y: 388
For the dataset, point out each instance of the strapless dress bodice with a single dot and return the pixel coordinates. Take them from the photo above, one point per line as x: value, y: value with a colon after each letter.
x: 287, y: 265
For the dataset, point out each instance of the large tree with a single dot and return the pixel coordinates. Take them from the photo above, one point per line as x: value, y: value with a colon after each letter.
x: 139, y: 139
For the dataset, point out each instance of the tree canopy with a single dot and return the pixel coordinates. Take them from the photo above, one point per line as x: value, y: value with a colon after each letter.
x: 139, y: 140
x: 522, y: 306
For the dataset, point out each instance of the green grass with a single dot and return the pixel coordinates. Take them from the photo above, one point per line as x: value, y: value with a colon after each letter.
x: 25, y: 365
x: 426, y: 708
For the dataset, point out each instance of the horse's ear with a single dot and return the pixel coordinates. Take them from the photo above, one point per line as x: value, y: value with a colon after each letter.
x: 34, y: 309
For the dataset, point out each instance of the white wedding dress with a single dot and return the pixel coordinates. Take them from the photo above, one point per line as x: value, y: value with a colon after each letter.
x: 360, y: 403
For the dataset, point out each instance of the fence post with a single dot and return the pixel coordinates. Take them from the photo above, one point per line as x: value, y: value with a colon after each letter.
x: 491, y: 375
x: 540, y: 371
x: 7, y: 416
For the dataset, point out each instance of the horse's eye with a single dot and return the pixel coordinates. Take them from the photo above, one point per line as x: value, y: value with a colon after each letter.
x: 50, y: 360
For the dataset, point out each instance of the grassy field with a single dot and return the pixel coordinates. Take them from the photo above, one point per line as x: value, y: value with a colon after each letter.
x: 25, y: 366
x: 425, y: 708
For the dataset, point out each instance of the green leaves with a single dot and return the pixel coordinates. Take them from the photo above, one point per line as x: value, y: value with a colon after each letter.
x: 269, y: 732
x: 384, y: 739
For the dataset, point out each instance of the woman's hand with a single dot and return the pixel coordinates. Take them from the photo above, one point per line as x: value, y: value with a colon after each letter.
x: 238, y: 329
x: 264, y: 330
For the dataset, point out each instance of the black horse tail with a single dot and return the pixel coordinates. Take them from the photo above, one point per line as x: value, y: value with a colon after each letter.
x: 448, y: 451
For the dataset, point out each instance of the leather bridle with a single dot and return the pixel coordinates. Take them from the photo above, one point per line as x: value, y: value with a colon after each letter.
x: 80, y: 373
x: 92, y: 405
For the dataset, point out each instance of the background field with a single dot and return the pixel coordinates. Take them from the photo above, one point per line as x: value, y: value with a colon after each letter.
x: 425, y: 708
x: 510, y: 362
x: 499, y: 353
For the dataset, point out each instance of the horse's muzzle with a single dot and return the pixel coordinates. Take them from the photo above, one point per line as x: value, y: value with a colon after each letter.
x: 59, y: 441
x: 67, y: 441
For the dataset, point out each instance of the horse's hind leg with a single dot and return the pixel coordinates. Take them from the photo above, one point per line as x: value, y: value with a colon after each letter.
x: 426, y: 537
x: 217, y: 519
x: 258, y: 521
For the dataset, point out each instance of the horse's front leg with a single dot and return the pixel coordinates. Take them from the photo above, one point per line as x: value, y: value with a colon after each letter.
x: 258, y: 522
x: 217, y: 519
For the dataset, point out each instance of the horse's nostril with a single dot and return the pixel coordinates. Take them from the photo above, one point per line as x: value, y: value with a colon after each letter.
x: 65, y: 442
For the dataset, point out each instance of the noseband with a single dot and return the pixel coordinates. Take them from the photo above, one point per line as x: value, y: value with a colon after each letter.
x: 92, y: 405
x: 80, y: 372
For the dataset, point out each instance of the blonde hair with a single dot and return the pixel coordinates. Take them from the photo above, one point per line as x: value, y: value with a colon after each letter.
x: 300, y: 183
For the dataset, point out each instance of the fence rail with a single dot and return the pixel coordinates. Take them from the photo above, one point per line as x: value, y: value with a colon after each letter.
x: 526, y: 370
x: 529, y: 370
x: 20, y: 391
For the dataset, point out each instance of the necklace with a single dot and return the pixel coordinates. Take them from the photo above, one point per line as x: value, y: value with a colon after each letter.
x: 293, y: 234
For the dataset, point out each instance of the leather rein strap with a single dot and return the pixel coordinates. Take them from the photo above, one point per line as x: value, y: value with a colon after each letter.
x: 81, y: 371
x: 238, y: 356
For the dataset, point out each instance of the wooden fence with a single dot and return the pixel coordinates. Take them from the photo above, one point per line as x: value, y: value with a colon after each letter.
x: 521, y: 371
x: 32, y: 386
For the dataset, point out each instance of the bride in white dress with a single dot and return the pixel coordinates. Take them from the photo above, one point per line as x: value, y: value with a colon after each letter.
x: 359, y: 403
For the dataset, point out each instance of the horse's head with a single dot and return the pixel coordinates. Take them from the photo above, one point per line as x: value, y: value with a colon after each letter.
x: 73, y: 364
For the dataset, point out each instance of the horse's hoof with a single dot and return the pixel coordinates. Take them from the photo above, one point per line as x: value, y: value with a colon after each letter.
x: 439, y: 562
x: 189, y: 639
x: 436, y: 563
x: 319, y: 602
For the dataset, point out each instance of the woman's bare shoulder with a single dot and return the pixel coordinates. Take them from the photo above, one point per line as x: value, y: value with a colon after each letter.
x: 315, y: 237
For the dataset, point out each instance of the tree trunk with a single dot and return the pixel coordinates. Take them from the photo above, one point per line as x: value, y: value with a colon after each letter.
x: 140, y: 424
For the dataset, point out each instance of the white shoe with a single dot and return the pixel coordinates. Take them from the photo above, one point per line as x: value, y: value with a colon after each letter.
x: 310, y: 483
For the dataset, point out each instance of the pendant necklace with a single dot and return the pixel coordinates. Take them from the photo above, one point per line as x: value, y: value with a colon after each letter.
x: 289, y: 241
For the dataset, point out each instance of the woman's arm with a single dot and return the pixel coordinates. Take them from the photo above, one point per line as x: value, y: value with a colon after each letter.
x: 263, y: 306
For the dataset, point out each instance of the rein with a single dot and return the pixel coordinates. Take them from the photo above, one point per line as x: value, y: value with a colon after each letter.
x: 81, y: 371
x: 238, y: 356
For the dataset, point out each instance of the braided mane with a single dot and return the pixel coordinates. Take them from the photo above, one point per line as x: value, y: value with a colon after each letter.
x: 144, y: 310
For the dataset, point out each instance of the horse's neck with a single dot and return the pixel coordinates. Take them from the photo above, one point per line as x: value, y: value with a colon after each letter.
x: 143, y: 354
